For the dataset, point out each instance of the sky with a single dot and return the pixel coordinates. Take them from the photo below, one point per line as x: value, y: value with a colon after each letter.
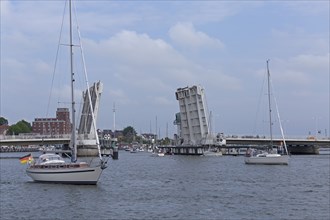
x: 142, y: 51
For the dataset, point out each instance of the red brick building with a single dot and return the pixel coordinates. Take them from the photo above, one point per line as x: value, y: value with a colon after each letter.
x: 3, y: 129
x: 53, y: 126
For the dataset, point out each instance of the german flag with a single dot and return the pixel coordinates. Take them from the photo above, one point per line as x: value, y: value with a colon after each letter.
x: 26, y: 158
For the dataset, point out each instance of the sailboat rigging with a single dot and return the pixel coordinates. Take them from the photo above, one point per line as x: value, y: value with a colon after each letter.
x: 269, y: 157
x: 52, y: 167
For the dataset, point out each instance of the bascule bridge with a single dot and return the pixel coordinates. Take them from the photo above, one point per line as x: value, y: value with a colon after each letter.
x: 86, y: 142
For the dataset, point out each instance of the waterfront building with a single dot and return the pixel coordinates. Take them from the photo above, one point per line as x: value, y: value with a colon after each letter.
x: 3, y: 129
x: 148, y: 137
x: 112, y: 134
x: 53, y: 126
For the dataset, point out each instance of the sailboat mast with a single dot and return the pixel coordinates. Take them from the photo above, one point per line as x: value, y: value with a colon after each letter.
x: 269, y: 106
x: 73, y: 111
x: 114, y: 119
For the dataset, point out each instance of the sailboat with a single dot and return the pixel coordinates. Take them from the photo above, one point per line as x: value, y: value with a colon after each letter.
x: 53, y: 168
x: 215, y: 150
x: 268, y: 156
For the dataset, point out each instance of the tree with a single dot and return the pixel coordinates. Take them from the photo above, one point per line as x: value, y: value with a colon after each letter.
x: 129, y: 134
x: 3, y: 121
x: 20, y: 127
x: 167, y: 141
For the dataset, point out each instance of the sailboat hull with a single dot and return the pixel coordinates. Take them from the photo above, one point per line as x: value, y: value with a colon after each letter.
x: 268, y: 160
x: 77, y: 175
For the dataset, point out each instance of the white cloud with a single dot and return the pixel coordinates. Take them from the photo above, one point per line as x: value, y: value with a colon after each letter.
x: 292, y: 77
x: 14, y: 66
x: 163, y: 101
x: 41, y: 67
x: 308, y: 8
x: 139, y: 58
x: 302, y: 69
x: 119, y: 95
x: 300, y: 40
x: 315, y: 64
x: 201, y: 12
x: 4, y: 8
x: 185, y: 34
x: 141, y: 62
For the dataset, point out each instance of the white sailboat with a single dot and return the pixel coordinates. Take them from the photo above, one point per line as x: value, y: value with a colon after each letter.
x: 269, y: 157
x: 212, y: 152
x: 54, y: 169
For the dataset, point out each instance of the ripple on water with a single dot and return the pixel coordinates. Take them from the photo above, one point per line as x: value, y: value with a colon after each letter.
x: 138, y: 186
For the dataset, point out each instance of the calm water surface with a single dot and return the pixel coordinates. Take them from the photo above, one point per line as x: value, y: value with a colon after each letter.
x: 139, y: 186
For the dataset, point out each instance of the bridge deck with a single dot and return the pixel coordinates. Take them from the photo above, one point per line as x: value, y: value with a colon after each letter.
x: 33, y: 140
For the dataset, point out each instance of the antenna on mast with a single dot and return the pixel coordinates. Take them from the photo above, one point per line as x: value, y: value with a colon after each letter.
x: 114, y: 119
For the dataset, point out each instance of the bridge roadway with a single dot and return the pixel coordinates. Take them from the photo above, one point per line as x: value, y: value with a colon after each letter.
x: 324, y: 143
x: 231, y: 142
x: 33, y: 140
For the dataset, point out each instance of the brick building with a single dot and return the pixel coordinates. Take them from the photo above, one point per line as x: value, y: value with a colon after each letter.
x: 3, y: 129
x: 53, y: 126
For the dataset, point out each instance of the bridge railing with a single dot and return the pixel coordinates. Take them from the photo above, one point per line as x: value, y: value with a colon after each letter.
x: 36, y: 136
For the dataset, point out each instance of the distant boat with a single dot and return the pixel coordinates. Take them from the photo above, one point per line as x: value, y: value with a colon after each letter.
x: 53, y: 168
x: 160, y: 154
x: 212, y: 152
x: 268, y: 156
x: 134, y: 150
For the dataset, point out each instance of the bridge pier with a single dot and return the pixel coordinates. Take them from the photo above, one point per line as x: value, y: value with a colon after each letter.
x: 303, y: 149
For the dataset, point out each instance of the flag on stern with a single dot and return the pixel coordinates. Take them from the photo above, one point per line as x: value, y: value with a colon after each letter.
x: 26, y: 158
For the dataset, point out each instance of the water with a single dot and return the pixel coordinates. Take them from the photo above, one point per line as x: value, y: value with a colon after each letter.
x: 138, y: 186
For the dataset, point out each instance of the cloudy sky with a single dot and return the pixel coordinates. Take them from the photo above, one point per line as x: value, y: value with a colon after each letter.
x: 143, y: 51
